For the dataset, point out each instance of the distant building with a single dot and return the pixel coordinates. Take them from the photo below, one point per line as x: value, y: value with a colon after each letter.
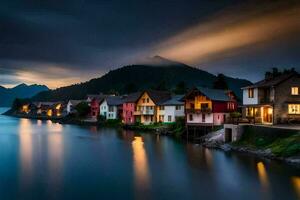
x: 273, y: 100
x: 72, y: 104
x: 129, y: 106
x: 171, y: 109
x: 94, y: 102
x: 148, y: 105
x: 208, y: 107
x: 111, y: 107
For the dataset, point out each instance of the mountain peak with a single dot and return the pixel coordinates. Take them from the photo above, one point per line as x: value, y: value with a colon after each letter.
x: 160, y: 62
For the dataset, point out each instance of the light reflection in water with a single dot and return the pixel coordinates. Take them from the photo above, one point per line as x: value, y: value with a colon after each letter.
x: 55, y: 155
x: 26, y: 157
x: 296, y: 184
x: 140, y: 163
x: 262, y: 174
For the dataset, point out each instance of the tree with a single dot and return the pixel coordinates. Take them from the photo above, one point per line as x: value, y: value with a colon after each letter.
x: 162, y: 86
x: 180, y: 88
x: 220, y: 83
x: 130, y: 88
x: 82, y: 109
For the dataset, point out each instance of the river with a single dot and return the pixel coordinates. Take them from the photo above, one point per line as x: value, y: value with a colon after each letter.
x: 45, y: 160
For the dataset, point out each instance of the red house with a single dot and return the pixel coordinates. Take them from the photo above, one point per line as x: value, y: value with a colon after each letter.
x: 129, y: 106
x: 208, y: 107
x: 94, y: 103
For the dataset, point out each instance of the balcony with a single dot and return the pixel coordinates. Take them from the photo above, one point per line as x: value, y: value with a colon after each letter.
x: 202, y: 110
x: 144, y: 112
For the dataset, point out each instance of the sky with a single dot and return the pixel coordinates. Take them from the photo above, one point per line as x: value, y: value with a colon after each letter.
x: 62, y: 42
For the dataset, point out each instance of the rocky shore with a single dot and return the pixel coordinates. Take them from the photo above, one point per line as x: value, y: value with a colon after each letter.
x: 261, y: 153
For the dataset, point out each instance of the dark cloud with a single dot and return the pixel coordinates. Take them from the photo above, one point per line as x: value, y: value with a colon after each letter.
x: 80, y: 39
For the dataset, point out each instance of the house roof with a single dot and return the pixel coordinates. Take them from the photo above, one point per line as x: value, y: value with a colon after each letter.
x: 175, y: 100
x: 133, y: 97
x: 114, y: 100
x: 215, y: 94
x: 99, y: 97
x: 158, y: 97
x: 272, y: 81
x: 76, y: 102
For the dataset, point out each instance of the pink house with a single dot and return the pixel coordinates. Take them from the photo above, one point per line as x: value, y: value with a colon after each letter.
x: 129, y: 108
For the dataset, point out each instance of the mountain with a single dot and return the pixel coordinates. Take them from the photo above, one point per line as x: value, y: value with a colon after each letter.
x: 8, y: 95
x: 156, y: 72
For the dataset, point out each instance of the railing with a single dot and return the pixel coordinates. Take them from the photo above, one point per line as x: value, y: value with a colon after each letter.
x: 202, y: 110
x: 144, y: 112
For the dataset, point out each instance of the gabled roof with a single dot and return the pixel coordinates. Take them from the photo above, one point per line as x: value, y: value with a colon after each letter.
x: 175, y: 100
x: 133, y: 97
x: 76, y: 102
x: 158, y: 97
x: 272, y: 81
x: 215, y: 94
x: 114, y: 100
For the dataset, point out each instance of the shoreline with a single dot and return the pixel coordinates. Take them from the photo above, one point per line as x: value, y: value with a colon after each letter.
x: 164, y: 130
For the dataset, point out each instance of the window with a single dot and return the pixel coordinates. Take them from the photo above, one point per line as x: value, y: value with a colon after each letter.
x: 148, y: 100
x: 190, y: 117
x: 294, y: 91
x: 203, y: 117
x: 161, y: 108
x: 111, y: 109
x: 161, y: 118
x: 178, y: 107
x: 204, y: 105
x: 143, y: 100
x: 251, y: 93
x: 169, y: 118
x: 294, y: 109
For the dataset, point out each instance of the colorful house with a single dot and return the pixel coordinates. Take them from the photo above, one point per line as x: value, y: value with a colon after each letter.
x: 208, y: 107
x: 111, y: 107
x: 148, y: 104
x: 171, y: 109
x: 94, y: 102
x: 129, y: 106
x: 273, y: 100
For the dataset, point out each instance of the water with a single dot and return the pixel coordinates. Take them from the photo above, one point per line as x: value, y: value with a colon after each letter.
x: 44, y: 160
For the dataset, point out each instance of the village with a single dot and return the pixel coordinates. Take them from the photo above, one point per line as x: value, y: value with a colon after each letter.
x: 274, y: 101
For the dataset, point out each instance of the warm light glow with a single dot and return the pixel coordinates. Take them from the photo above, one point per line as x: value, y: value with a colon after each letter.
x: 58, y: 106
x: 49, y: 113
x: 25, y: 108
x: 140, y: 163
x: 26, y: 151
x: 262, y: 174
x: 296, y: 184
x: 270, y: 111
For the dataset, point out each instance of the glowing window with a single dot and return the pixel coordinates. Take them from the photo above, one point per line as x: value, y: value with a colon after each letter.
x: 294, y: 91
x: 250, y: 93
x: 294, y: 109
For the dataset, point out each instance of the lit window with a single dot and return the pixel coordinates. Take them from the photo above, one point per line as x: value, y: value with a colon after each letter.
x: 294, y: 109
x: 250, y: 93
x: 294, y: 91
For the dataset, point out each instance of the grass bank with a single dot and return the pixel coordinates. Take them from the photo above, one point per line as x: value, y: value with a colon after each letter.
x: 281, y: 142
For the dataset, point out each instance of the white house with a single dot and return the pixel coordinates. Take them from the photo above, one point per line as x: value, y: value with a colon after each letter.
x: 72, y: 104
x: 171, y: 109
x: 111, y: 107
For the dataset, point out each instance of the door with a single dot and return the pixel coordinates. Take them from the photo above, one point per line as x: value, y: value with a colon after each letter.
x: 267, y: 115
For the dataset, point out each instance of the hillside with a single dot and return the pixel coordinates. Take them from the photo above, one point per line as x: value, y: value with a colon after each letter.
x: 8, y: 95
x: 139, y: 77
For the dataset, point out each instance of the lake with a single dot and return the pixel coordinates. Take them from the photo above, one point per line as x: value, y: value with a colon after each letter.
x: 45, y: 160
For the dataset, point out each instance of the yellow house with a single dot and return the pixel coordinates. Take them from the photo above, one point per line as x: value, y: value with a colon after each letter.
x: 146, y: 111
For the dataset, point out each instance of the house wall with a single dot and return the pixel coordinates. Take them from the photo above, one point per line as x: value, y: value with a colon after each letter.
x: 222, y: 106
x: 95, y: 109
x: 112, y: 112
x: 104, y: 108
x: 69, y: 107
x: 219, y: 118
x: 250, y: 101
x: 128, y: 110
x: 197, y: 118
x: 282, y: 96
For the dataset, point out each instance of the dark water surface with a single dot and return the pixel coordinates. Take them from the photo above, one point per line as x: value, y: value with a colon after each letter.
x: 44, y: 160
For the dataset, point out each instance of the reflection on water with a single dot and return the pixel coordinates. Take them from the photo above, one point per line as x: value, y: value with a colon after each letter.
x: 25, y: 135
x: 296, y: 184
x: 262, y: 174
x: 141, y: 170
